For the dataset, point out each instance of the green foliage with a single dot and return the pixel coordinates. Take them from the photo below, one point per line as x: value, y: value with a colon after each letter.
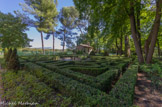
x: 68, y: 17
x: 2, y: 63
x: 105, y: 79
x: 13, y: 63
x: 81, y: 93
x: 44, y: 12
x: 101, y: 80
x: 89, y: 71
x: 12, y: 31
x: 8, y: 55
x: 122, y: 93
x: 156, y: 69
x: 80, y: 52
x: 110, y: 20
x: 124, y: 88
x: 74, y: 75
x: 84, y: 94
x: 154, y: 72
x: 25, y: 87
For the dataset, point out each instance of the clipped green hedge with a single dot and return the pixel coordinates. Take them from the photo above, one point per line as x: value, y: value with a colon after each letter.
x: 104, y: 80
x: 83, y: 66
x: 83, y: 94
x: 90, y: 71
x: 34, y: 58
x: 101, y: 82
x: 122, y: 94
x: 67, y: 64
x: 24, y: 87
x: 89, y: 80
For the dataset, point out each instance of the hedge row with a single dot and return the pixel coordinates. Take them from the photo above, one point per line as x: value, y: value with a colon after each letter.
x: 66, y: 64
x: 105, y: 79
x: 83, y: 66
x: 90, y: 71
x: 101, y: 82
x: 122, y: 94
x: 40, y: 58
x: 107, y: 58
x: 89, y: 80
x: 24, y: 87
x: 81, y: 93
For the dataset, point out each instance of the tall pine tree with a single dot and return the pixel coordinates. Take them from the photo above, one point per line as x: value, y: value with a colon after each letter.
x: 68, y: 17
x: 44, y: 12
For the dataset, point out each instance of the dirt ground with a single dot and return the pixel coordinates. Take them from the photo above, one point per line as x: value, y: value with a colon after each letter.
x: 145, y: 95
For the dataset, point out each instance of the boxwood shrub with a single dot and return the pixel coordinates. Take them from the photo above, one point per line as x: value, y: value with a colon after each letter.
x: 102, y: 82
x: 90, y: 71
x: 81, y: 93
x: 24, y: 87
x: 122, y: 94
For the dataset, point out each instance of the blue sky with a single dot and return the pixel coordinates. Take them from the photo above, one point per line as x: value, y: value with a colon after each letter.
x: 11, y: 5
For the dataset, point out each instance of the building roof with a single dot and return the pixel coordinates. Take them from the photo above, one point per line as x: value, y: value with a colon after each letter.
x: 85, y: 45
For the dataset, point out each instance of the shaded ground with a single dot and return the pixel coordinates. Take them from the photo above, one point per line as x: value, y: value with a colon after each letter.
x: 145, y: 95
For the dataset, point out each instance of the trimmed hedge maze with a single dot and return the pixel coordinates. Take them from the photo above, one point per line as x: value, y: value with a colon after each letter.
x: 104, y: 82
x: 22, y: 87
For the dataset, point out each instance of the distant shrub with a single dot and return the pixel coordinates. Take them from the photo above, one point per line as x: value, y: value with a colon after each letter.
x: 79, y: 52
x: 14, y: 63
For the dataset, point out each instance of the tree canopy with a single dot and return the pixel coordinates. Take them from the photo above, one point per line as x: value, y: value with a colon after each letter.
x: 12, y: 31
x: 68, y: 17
x: 44, y: 12
x: 142, y: 16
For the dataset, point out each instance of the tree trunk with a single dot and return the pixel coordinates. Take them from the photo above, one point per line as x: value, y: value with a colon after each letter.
x: 121, y: 44
x: 64, y: 43
x: 138, y: 25
x: 159, y: 53
x: 42, y: 43
x: 53, y: 43
x: 147, y: 44
x: 134, y: 31
x: 139, y: 28
x: 80, y: 30
x: 127, y: 47
x: 99, y: 50
x: 117, y: 47
x: 155, y: 30
x: 106, y: 52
